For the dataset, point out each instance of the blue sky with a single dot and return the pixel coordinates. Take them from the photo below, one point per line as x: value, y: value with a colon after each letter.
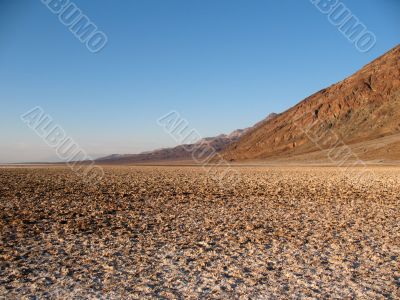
x: 222, y: 64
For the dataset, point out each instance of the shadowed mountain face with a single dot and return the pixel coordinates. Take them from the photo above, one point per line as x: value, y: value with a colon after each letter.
x: 361, y: 108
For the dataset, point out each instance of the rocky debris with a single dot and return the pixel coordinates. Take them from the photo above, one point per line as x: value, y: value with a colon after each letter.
x: 176, y: 233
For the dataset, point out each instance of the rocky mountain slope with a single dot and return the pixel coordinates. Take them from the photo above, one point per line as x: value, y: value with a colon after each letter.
x: 361, y: 108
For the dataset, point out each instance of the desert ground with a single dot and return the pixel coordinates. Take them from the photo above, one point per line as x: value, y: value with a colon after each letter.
x: 181, y: 233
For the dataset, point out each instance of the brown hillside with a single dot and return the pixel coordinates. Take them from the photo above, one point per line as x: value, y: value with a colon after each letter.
x: 361, y: 108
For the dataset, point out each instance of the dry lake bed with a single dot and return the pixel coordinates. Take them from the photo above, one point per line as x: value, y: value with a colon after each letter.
x: 177, y: 233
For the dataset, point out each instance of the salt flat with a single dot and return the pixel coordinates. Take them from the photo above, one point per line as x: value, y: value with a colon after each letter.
x: 177, y: 233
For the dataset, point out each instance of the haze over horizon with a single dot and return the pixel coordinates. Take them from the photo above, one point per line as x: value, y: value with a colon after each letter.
x: 222, y: 66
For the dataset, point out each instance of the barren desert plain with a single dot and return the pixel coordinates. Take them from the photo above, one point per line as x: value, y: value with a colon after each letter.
x: 177, y: 233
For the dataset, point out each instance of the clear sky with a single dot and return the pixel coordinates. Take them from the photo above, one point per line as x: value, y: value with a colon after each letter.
x: 223, y: 64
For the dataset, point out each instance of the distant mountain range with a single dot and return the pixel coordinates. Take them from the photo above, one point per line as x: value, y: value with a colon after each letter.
x: 182, y: 153
x: 361, y: 112
x: 178, y: 153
